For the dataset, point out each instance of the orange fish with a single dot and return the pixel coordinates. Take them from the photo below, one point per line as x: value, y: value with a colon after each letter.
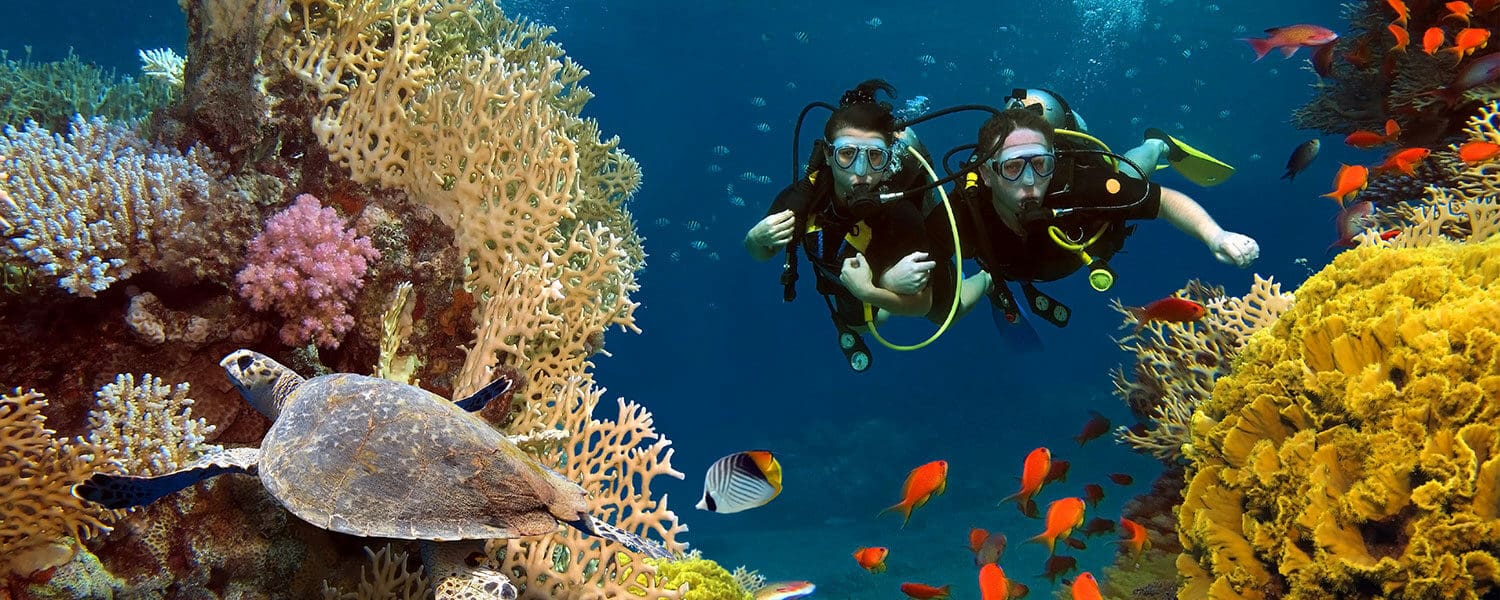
x: 922, y: 591
x: 994, y: 586
x: 1033, y: 475
x: 872, y: 559
x: 1370, y: 139
x: 922, y: 484
x: 1404, y: 161
x: 1458, y: 10
x: 1097, y: 426
x: 1474, y: 152
x: 1086, y: 587
x: 1469, y: 39
x: 1170, y: 309
x: 1402, y: 37
x: 1351, y: 179
x: 1062, y: 516
x: 1432, y: 40
x: 1402, y: 12
x: 987, y: 547
x: 1290, y: 38
x: 1133, y: 536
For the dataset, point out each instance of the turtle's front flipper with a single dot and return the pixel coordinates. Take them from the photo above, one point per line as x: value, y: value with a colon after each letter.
x: 125, y: 491
x: 591, y: 525
x: 495, y: 389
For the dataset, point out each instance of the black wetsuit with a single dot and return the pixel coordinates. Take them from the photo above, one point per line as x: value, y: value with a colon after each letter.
x: 1034, y: 256
x: 895, y: 231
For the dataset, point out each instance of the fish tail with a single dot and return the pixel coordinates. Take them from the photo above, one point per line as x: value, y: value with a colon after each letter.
x: 1049, y: 541
x: 901, y: 507
x: 1139, y: 314
x: 1261, y: 46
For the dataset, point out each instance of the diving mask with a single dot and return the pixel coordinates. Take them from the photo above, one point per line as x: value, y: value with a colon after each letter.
x: 861, y: 156
x: 1011, y: 169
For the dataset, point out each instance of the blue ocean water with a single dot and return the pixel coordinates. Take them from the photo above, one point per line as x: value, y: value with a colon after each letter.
x: 725, y: 365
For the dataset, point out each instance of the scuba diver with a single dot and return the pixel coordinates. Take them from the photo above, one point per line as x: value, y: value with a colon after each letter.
x: 1192, y: 163
x: 870, y: 257
x: 1033, y: 210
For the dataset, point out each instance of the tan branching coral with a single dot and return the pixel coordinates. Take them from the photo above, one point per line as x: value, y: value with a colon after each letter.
x: 149, y: 428
x: 1354, y: 450
x: 1177, y: 363
x: 38, y: 510
x: 387, y: 579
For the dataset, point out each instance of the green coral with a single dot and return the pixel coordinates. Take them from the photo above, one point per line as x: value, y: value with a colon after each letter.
x: 50, y: 93
x: 706, y: 580
x: 1354, y: 452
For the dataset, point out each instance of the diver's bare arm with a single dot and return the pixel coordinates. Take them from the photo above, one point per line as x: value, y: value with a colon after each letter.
x: 906, y: 305
x: 1185, y: 214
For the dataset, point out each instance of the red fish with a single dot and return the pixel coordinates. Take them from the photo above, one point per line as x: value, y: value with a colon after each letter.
x: 1133, y: 536
x: 1033, y: 476
x: 1170, y: 310
x: 1057, y: 472
x: 1477, y: 152
x: 1484, y: 6
x: 1432, y: 40
x: 922, y: 591
x: 1402, y: 37
x: 1458, y: 10
x: 1369, y: 139
x: 1075, y: 543
x: 1351, y: 179
x: 1469, y: 39
x: 872, y: 559
x: 1351, y: 221
x: 1058, y: 566
x: 1062, y: 516
x: 1095, y: 427
x: 1387, y: 235
x: 1290, y: 38
x: 1121, y: 478
x: 1479, y: 72
x: 994, y: 586
x: 1360, y: 55
x: 988, y: 548
x: 1093, y: 493
x: 1322, y: 61
x: 922, y: 484
x: 1086, y: 587
x: 1403, y: 14
x: 1404, y: 161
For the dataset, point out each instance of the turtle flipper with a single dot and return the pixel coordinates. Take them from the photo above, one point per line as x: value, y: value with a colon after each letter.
x: 124, y: 491
x: 593, y: 526
x: 494, y: 389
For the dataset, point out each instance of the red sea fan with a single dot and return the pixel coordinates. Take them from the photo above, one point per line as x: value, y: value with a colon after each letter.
x: 307, y: 267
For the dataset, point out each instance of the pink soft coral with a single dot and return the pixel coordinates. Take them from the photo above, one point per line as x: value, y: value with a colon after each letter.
x: 308, y: 267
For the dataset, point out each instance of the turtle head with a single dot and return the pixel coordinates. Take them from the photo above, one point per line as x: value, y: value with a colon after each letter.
x: 263, y: 382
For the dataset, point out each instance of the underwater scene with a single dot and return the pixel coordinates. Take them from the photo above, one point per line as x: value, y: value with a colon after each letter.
x: 467, y: 299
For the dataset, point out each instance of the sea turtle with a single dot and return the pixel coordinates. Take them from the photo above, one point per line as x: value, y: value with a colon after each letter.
x: 376, y: 458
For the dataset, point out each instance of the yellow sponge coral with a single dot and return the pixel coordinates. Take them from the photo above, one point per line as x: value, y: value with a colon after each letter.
x: 1355, y: 449
x: 706, y: 580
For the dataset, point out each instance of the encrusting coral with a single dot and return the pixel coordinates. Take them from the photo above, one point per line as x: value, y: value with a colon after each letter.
x: 1354, y: 451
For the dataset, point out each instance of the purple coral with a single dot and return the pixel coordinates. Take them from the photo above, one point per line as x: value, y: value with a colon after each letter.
x: 307, y: 267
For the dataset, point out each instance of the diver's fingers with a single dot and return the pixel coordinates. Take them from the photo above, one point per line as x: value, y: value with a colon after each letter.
x: 784, y: 216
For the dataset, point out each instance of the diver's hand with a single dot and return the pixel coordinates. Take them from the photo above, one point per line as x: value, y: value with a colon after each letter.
x: 856, y: 276
x: 774, y: 231
x: 1234, y: 249
x: 908, y: 276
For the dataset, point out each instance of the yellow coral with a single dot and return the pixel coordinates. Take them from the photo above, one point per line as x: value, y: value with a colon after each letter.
x: 1354, y: 450
x: 37, y: 473
x: 706, y: 580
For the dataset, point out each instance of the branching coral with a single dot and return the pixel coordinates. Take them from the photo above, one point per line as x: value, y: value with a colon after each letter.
x: 148, y: 428
x: 1354, y: 451
x: 37, y: 474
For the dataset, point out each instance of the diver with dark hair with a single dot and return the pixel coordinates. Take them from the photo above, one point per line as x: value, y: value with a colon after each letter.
x: 1158, y: 146
x: 871, y: 258
x: 1034, y: 212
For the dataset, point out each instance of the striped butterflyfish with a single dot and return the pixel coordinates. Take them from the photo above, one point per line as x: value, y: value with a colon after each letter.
x: 741, y: 481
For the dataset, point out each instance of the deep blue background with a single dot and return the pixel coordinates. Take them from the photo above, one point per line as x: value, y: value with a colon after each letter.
x: 725, y: 365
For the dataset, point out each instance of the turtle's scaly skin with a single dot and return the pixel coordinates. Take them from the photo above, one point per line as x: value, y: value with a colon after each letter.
x: 376, y: 458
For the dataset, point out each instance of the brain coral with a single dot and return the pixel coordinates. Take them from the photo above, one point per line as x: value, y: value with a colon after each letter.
x: 1354, y: 451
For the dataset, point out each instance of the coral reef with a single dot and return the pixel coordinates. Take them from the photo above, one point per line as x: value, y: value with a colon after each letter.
x: 307, y: 267
x: 1353, y: 452
x: 706, y: 580
x: 53, y: 93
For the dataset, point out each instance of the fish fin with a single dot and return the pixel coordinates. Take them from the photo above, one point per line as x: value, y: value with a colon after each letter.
x: 1288, y: 51
x: 1260, y: 46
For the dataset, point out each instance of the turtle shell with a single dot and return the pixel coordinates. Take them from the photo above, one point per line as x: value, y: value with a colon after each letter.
x: 376, y: 458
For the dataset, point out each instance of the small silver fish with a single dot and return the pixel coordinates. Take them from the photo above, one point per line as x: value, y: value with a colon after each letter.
x: 1301, y: 158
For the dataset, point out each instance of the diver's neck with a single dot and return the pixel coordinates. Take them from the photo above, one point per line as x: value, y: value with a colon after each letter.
x: 1009, y: 218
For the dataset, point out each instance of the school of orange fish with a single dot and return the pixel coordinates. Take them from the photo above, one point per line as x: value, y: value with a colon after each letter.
x: 1064, y: 517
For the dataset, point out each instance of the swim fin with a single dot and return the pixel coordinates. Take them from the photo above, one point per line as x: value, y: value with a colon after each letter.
x: 1016, y: 332
x: 1194, y: 164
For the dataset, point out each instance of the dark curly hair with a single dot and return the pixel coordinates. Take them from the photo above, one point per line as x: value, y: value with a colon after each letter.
x: 994, y: 131
x: 859, y: 109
